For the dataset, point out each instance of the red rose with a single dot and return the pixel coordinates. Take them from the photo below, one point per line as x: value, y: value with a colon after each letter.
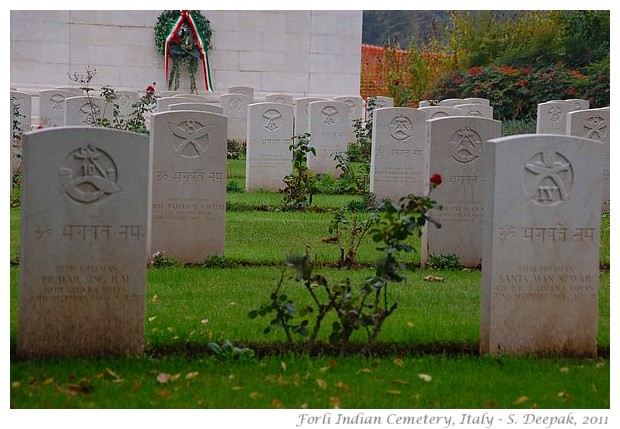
x: 150, y: 89
x: 436, y: 179
x: 396, y: 82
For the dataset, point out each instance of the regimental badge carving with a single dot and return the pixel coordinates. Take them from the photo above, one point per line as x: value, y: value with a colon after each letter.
x: 555, y: 114
x: 597, y: 128
x: 193, y: 138
x: 474, y: 113
x: 439, y: 114
x: 88, y: 175
x: 57, y: 101
x: 548, y: 177
x: 124, y: 100
x: 400, y: 128
x: 350, y: 105
x: 465, y: 145
x: 330, y: 115
x: 235, y: 104
x: 280, y: 100
x: 273, y: 119
x: 90, y: 111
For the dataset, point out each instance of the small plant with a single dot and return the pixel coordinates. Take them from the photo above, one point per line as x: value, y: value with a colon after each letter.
x: 218, y: 261
x: 234, y: 187
x: 359, y: 183
x: 161, y: 260
x: 348, y: 231
x: 439, y: 261
x: 235, y: 149
x: 228, y: 352
x: 363, y: 307
x: 301, y: 183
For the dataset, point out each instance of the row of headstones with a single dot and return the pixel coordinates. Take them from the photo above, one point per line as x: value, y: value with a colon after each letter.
x: 96, y: 202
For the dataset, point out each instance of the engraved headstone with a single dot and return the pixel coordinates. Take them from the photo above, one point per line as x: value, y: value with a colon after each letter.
x: 77, y: 91
x: 579, y: 103
x: 594, y: 124
x: 268, y: 159
x: 480, y: 110
x: 203, y: 107
x: 541, y: 245
x: 455, y: 152
x: 125, y: 100
x: 356, y: 113
x: 477, y: 100
x: 424, y: 103
x: 235, y: 107
x: 434, y: 112
x: 52, y: 107
x: 328, y: 134
x: 189, y: 184
x: 377, y: 102
x: 280, y: 98
x: 23, y: 101
x: 301, y: 113
x: 82, y: 111
x: 399, y: 160
x: 84, y: 234
x: 196, y: 97
x: 551, y: 117
x: 245, y: 90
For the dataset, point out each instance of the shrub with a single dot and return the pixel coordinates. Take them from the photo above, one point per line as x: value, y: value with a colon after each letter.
x: 439, y: 261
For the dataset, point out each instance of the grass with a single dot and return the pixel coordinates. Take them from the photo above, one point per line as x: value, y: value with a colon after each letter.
x: 428, y: 348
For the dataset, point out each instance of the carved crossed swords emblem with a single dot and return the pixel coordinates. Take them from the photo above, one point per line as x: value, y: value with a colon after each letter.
x: 190, y: 134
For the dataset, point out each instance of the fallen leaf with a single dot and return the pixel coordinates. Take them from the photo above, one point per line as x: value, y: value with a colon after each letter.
x: 564, y: 369
x: 400, y: 382
x: 410, y: 324
x: 112, y: 374
x: 255, y: 395
x: 365, y: 370
x: 394, y: 392
x: 191, y: 375
x: 563, y: 395
x: 152, y: 318
x: 161, y: 394
x: 342, y: 386
x: 275, y: 403
x: 399, y: 362
x: 65, y: 391
x: 155, y: 298
x: 324, y: 368
x: 322, y: 383
x: 15, y: 384
x: 334, y: 402
x: 163, y: 377
x: 176, y: 337
x: 283, y: 365
x: 175, y: 377
x: 204, y: 321
x: 233, y: 303
x: 237, y: 388
x: 170, y: 329
x: 433, y: 279
x: 48, y: 380
x: 521, y: 400
x: 425, y: 377
x: 304, y: 406
x: 332, y: 363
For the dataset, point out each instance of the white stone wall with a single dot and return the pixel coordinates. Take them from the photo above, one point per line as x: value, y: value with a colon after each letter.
x: 298, y: 52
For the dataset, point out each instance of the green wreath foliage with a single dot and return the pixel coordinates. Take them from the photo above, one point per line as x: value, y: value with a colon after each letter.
x: 183, y: 48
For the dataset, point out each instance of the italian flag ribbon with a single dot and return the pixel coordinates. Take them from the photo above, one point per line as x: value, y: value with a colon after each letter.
x: 187, y: 16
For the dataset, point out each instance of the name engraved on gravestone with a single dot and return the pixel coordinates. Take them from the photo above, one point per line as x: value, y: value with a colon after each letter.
x: 541, y: 245
x: 455, y: 152
x: 399, y: 161
x: 268, y: 159
x: 189, y: 184
x: 84, y: 239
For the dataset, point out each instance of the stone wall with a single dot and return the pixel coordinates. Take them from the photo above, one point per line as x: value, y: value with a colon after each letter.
x: 298, y: 52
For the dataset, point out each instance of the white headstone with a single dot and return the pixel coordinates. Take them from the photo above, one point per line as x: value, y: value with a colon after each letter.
x: 328, y: 134
x: 125, y: 100
x: 579, y: 103
x: 424, y: 103
x: 356, y: 113
x: 551, y: 117
x: 84, y: 235
x: 163, y: 103
x: 301, y: 113
x: 82, y: 111
x: 246, y: 90
x: 399, y: 161
x: 541, y: 245
x: 189, y: 184
x: 196, y: 97
x: 203, y: 107
x: 268, y: 159
x: 280, y: 98
x: 434, y: 112
x: 451, y: 102
x: 77, y: 91
x: 377, y: 102
x: 594, y: 124
x: 23, y: 101
x: 477, y: 100
x: 235, y: 107
x: 52, y: 107
x: 455, y: 153
x: 480, y: 110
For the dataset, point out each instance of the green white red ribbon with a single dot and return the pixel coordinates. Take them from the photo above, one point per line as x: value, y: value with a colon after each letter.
x: 187, y: 16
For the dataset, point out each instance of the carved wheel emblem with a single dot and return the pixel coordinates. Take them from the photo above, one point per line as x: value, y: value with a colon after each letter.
x: 548, y: 177
x: 400, y: 128
x: 190, y: 133
x: 88, y: 175
x: 57, y: 100
x: 329, y: 115
x: 465, y: 145
x: 273, y: 119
